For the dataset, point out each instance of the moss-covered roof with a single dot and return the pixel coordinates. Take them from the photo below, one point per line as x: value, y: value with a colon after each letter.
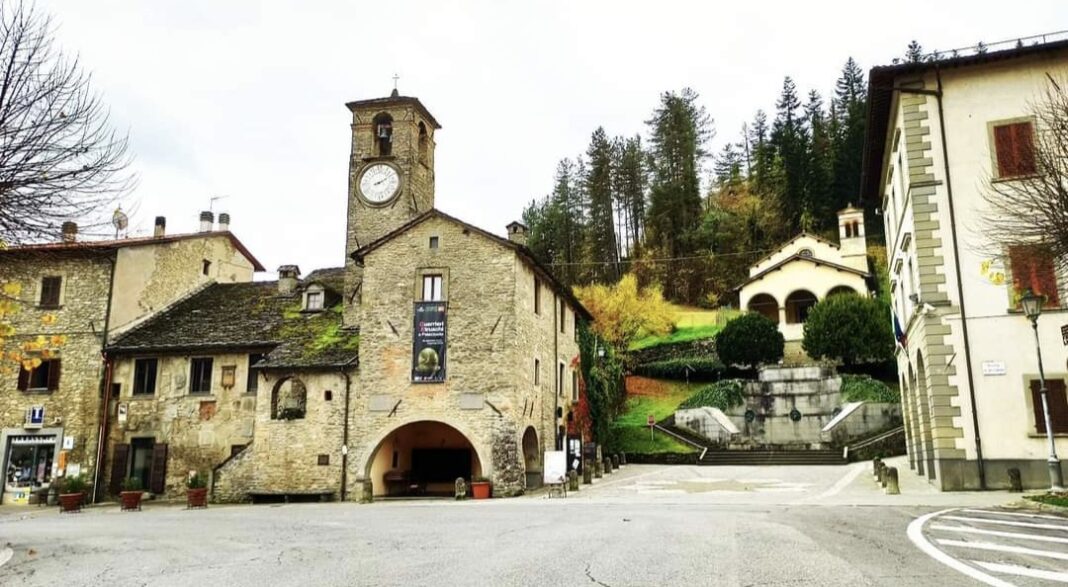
x: 226, y: 316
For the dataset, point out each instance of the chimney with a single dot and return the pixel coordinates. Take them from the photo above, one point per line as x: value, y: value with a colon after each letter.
x: 287, y: 279
x: 224, y: 222
x: 161, y: 227
x: 70, y: 231
x: 206, y: 220
x: 517, y: 233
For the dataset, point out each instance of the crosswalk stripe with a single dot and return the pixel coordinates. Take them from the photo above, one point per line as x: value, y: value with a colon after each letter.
x: 1005, y: 548
x: 1023, y: 571
x: 970, y: 530
x: 1017, y: 514
x: 1007, y: 523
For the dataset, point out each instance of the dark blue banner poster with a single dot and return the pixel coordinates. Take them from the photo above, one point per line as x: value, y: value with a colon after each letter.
x: 428, y: 343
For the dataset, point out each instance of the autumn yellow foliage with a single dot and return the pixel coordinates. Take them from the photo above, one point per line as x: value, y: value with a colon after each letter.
x: 623, y: 312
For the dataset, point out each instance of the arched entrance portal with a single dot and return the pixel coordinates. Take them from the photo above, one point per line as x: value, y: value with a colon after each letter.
x: 422, y: 458
x: 532, y: 458
x: 766, y: 306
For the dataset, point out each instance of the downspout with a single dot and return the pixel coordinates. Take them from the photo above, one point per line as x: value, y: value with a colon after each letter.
x: 937, y: 93
x: 105, y: 383
x: 345, y: 435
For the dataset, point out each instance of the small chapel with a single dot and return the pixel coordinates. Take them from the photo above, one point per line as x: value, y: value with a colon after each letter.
x: 435, y: 350
x: 788, y: 282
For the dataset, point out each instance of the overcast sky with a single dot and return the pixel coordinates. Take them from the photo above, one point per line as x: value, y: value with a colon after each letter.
x: 246, y: 99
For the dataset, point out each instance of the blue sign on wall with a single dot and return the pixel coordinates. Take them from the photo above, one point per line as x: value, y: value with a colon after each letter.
x: 35, y: 417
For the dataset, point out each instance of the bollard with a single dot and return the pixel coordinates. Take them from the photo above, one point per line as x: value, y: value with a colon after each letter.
x: 1015, y: 482
x: 882, y: 474
x: 622, y: 459
x: 587, y: 474
x: 572, y: 480
x: 367, y: 494
x: 892, y: 487
x: 875, y: 463
x: 598, y: 469
x: 461, y: 488
x: 607, y: 466
x: 615, y: 462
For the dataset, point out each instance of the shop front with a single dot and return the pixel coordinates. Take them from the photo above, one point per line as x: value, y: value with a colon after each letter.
x: 29, y: 463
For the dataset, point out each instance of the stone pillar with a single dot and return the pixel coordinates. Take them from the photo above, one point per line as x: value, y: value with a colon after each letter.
x: 598, y: 469
x: 615, y: 462
x: 366, y: 491
x: 509, y: 472
x: 891, y: 481
x: 572, y: 480
x: 587, y: 474
x: 622, y: 459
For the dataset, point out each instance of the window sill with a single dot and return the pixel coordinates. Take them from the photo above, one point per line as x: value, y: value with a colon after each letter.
x: 208, y: 396
x: 37, y: 391
x: 41, y: 307
x: 1043, y: 435
x: 142, y: 396
x: 1015, y: 178
x: 1052, y: 310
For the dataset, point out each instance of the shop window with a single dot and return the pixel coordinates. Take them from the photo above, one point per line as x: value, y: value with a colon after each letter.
x: 253, y: 382
x: 1033, y: 268
x: 1058, y: 406
x: 200, y: 375
x: 43, y: 377
x: 51, y: 287
x: 29, y: 464
x: 1014, y: 149
x: 145, y: 376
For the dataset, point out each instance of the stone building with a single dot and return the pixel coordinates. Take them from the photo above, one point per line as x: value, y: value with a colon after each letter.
x: 63, y: 301
x: 439, y: 350
x: 784, y: 285
x: 940, y: 133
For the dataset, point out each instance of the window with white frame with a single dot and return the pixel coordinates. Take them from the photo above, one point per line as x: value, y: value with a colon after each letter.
x: 432, y: 288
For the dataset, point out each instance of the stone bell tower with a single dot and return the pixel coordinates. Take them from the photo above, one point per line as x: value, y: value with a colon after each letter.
x: 851, y: 238
x: 391, y: 175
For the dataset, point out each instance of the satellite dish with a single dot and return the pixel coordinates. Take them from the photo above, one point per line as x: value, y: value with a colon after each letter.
x: 119, y: 220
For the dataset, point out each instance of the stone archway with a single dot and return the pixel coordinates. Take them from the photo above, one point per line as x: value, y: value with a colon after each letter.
x: 532, y: 458
x: 841, y: 289
x: 422, y: 457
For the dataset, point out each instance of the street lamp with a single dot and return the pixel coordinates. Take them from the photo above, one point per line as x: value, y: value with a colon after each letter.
x: 1032, y: 307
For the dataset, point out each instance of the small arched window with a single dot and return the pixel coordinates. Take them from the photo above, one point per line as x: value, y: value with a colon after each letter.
x: 805, y: 252
x: 289, y: 399
x: 383, y: 125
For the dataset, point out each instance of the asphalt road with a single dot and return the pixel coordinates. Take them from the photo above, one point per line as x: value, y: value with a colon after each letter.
x: 648, y: 526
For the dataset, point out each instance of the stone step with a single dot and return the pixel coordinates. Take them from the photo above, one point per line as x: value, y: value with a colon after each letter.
x: 757, y: 457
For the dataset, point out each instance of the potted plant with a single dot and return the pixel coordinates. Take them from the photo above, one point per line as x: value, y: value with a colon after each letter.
x: 131, y: 494
x: 480, y: 487
x: 196, y: 491
x: 72, y: 493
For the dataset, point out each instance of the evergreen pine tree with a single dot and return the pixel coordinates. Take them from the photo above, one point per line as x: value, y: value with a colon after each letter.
x: 600, y: 234
x: 818, y: 168
x: 914, y: 52
x: 631, y: 181
x: 850, y: 105
x: 789, y: 140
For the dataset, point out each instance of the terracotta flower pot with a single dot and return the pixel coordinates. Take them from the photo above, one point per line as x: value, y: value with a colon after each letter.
x: 71, y: 502
x: 131, y: 500
x: 480, y: 489
x: 197, y: 498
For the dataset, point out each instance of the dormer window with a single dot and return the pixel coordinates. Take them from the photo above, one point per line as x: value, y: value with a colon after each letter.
x: 314, y: 298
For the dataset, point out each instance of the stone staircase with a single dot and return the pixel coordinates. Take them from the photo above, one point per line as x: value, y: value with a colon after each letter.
x: 772, y: 457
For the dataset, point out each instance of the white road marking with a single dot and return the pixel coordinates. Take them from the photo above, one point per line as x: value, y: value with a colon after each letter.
x: 969, y: 530
x: 1018, y: 514
x: 915, y: 534
x: 1024, y: 571
x: 5, y: 555
x: 842, y: 483
x: 1005, y: 548
x: 1006, y: 523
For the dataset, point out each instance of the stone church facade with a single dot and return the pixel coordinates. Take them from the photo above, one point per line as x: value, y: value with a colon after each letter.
x: 438, y: 350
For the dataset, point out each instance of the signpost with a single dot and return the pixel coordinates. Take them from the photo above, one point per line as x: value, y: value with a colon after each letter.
x: 651, y: 421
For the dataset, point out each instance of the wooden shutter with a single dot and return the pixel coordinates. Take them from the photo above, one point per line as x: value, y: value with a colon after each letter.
x: 53, y: 374
x: 1057, y: 398
x: 1014, y: 148
x: 24, y: 379
x: 120, y: 461
x: 1005, y: 151
x: 158, y: 479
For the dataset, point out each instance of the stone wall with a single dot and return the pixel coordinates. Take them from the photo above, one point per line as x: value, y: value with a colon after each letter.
x: 79, y: 322
x: 200, y: 430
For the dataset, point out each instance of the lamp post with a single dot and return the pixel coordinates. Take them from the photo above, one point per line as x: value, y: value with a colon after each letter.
x: 1032, y: 307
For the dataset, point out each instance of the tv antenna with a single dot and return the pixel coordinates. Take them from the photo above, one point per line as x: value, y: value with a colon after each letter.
x: 211, y: 202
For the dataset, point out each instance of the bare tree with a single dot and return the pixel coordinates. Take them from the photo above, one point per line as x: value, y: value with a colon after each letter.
x: 1031, y: 209
x: 59, y: 158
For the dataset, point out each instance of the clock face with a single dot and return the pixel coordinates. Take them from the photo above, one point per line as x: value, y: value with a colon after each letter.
x: 379, y: 183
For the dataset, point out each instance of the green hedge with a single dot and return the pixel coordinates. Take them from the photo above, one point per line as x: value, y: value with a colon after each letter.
x: 862, y: 388
x: 691, y: 368
x: 724, y: 395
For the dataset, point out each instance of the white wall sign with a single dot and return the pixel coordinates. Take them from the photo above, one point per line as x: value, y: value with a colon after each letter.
x: 68, y: 442
x: 993, y: 367
x: 74, y: 469
x: 555, y: 466
x: 121, y: 411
